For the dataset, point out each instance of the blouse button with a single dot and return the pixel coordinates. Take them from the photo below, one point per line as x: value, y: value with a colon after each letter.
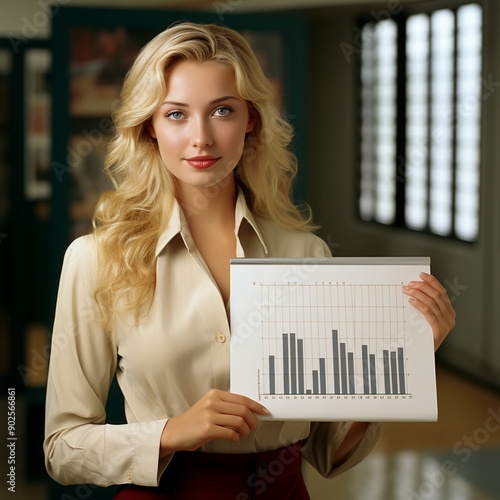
x: 129, y: 475
x: 220, y: 337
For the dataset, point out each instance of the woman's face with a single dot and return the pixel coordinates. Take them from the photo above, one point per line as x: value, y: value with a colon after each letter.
x: 201, y: 124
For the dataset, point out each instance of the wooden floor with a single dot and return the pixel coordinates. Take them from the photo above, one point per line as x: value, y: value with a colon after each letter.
x: 455, y: 458
x: 463, y: 408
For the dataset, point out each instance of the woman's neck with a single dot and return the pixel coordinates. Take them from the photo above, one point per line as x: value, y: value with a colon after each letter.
x: 209, y: 208
x: 210, y: 215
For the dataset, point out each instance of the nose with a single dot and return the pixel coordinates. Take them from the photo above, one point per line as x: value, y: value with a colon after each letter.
x: 202, y: 133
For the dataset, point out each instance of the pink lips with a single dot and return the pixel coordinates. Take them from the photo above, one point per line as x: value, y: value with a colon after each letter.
x: 202, y: 162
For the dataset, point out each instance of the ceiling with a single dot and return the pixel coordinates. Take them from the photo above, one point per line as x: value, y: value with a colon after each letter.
x: 21, y: 13
x: 230, y: 5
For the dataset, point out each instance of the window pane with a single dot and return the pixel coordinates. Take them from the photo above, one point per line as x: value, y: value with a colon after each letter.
x: 386, y: 55
x: 367, y: 190
x: 378, y: 73
x: 441, y: 139
x: 469, y: 47
x: 417, y: 70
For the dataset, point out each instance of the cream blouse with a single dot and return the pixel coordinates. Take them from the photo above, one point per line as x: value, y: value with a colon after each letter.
x: 164, y: 363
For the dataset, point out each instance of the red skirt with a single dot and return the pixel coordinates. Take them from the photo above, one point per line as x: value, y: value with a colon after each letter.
x: 216, y: 476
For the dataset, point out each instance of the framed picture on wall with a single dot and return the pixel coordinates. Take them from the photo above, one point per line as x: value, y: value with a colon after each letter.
x: 100, y: 57
x: 37, y: 122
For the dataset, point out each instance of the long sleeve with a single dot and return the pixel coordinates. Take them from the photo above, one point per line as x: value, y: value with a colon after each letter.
x: 325, y: 439
x: 79, y: 446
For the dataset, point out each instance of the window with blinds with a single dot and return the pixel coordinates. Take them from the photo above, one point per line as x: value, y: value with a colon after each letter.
x: 421, y: 94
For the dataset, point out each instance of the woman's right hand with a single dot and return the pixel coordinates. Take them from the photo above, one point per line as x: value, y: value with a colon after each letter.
x: 217, y: 415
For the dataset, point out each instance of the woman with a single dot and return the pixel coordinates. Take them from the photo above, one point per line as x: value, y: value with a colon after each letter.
x: 202, y: 174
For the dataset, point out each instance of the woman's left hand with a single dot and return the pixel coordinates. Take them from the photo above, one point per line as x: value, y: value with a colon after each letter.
x: 431, y: 299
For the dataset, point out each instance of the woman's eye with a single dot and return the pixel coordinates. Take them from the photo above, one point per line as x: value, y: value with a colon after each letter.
x: 223, y: 111
x: 175, y: 115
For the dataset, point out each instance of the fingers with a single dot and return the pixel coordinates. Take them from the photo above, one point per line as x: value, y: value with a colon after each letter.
x: 241, y: 400
x: 431, y: 299
x: 440, y: 294
x: 236, y: 417
x: 217, y: 415
x: 234, y: 410
x: 237, y: 424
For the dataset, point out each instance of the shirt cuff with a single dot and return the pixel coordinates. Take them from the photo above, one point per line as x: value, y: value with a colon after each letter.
x: 362, y: 450
x: 145, y: 470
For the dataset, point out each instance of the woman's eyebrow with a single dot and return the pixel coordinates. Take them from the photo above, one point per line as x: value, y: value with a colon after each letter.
x: 215, y: 101
x: 224, y: 98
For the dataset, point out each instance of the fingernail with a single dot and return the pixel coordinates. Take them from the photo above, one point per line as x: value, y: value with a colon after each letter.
x: 265, y: 411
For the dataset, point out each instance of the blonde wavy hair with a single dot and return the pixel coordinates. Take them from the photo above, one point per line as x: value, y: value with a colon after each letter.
x: 129, y: 219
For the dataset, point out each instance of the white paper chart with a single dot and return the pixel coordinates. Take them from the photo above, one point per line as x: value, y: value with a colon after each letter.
x: 332, y: 339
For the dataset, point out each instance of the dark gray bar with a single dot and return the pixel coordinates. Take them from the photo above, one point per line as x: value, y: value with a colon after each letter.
x: 394, y: 372
x: 373, y: 374
x: 322, y: 376
x: 272, y: 383
x: 350, y: 367
x: 336, y: 368
x: 293, y: 364
x: 300, y: 353
x: 366, y: 383
x: 387, y: 373
x: 286, y: 374
x: 315, y: 382
x: 308, y: 391
x: 401, y: 369
x: 343, y: 367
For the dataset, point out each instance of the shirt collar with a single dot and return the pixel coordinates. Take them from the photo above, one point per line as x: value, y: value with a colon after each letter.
x: 177, y: 223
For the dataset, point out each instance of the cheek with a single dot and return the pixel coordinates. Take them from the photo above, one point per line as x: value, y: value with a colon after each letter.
x: 235, y: 138
x: 169, y: 141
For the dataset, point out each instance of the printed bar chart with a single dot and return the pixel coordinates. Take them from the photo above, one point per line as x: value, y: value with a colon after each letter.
x: 331, y: 340
x: 342, y: 380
